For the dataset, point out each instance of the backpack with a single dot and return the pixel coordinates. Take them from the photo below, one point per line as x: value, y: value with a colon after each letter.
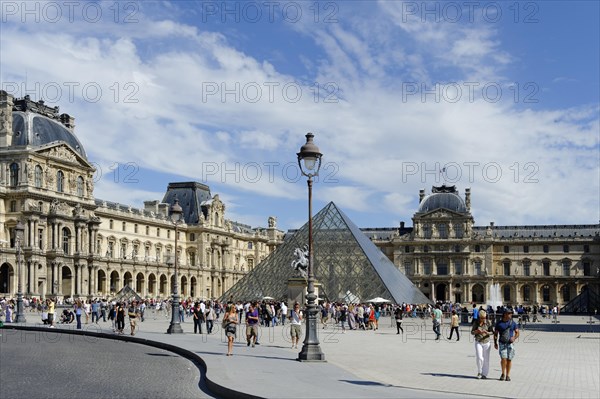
x: 505, y: 335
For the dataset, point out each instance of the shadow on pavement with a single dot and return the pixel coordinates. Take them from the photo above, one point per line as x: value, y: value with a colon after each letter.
x: 468, y: 377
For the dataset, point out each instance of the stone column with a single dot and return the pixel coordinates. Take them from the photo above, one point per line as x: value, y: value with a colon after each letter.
x: 59, y: 278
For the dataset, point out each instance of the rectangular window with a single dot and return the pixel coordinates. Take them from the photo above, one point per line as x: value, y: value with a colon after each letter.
x: 478, y: 268
x: 458, y: 267
x: 587, y: 269
x: 442, y: 268
x: 249, y: 245
x: 13, y: 206
x: 426, y: 231
x: 168, y: 233
x: 427, y: 266
x: 407, y: 268
x: 135, y: 228
x: 565, y: 248
x: 458, y: 230
x: 158, y: 231
x: 124, y: 225
x: 586, y: 248
x: 506, y: 249
x: 477, y: 248
x: 192, y: 259
x: 250, y: 264
x: 526, y: 249
x: 123, y: 251
x: 147, y: 230
x: 506, y: 266
x: 546, y: 267
x: 111, y: 249
x: 566, y: 266
x: 192, y: 236
x: 443, y: 230
x: 406, y: 249
x: 527, y: 268
x: 110, y: 224
x: 41, y: 238
x: 546, y: 249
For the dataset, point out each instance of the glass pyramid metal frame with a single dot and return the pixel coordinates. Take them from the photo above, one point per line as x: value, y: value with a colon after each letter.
x: 346, y: 264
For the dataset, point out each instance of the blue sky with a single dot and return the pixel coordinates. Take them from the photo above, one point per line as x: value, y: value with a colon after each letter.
x: 505, y: 95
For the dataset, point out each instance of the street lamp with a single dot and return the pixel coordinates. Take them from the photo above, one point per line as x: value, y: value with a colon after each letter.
x: 310, y: 156
x: 175, y: 326
x: 19, y: 229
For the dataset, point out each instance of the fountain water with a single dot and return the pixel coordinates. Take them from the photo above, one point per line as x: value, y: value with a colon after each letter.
x: 494, y: 297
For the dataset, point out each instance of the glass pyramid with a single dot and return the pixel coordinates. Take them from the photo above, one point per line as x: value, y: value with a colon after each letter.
x: 346, y: 264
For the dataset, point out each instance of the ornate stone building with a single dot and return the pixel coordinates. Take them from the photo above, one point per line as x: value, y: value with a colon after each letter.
x: 451, y: 259
x: 77, y: 245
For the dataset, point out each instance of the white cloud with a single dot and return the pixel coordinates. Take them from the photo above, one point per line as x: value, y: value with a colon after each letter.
x: 373, y: 136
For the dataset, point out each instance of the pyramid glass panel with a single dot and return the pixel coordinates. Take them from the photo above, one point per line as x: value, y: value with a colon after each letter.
x: 346, y: 264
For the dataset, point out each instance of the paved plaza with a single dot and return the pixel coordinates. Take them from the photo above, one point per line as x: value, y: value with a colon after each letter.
x: 553, y: 361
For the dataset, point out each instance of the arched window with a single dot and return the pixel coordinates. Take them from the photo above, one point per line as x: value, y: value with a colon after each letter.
x: 80, y: 186
x: 546, y: 293
x: 38, y: 176
x: 60, y: 181
x: 566, y: 293
x: 526, y: 293
x: 14, y: 174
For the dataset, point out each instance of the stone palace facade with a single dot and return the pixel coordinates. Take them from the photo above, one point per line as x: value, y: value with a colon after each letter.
x: 451, y: 259
x: 75, y: 245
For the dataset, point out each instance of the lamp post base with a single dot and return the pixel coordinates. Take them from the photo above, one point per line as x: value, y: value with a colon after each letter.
x: 311, y: 353
x: 175, y: 329
x: 20, y: 316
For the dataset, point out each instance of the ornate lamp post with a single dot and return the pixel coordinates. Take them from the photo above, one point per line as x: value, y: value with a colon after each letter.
x: 176, y: 219
x: 310, y: 156
x: 19, y: 229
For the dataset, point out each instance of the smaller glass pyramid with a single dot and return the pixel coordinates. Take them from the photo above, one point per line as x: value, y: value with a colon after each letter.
x: 346, y: 264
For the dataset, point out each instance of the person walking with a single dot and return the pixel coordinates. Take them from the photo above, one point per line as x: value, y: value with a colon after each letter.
x: 133, y: 312
x: 296, y: 325
x: 210, y: 319
x: 120, y: 318
x: 252, y: 325
x: 482, y: 330
x: 50, y: 305
x: 507, y: 331
x: 436, y: 316
x: 197, y: 315
x: 78, y: 311
x: 398, y: 314
x: 230, y: 322
x: 454, y: 326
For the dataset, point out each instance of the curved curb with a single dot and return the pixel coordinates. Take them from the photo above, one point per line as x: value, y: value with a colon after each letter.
x: 214, y: 388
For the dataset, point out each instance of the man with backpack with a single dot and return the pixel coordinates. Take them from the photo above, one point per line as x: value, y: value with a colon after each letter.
x: 506, y: 331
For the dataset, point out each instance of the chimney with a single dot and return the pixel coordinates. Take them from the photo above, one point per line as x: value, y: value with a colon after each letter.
x: 6, y: 108
x: 151, y: 206
x: 401, y: 225
x: 68, y: 121
x: 492, y: 224
x: 421, y: 195
x: 468, y: 199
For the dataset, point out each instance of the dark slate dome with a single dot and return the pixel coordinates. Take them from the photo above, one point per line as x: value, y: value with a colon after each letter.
x: 37, y: 130
x: 450, y: 201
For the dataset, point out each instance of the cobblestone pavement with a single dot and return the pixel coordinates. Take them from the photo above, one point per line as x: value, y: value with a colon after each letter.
x: 552, y: 361
x: 52, y: 365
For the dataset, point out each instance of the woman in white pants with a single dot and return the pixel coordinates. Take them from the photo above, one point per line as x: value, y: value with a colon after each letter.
x: 483, y: 331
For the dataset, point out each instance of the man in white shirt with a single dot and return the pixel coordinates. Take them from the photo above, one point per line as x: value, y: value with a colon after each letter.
x: 284, y: 310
